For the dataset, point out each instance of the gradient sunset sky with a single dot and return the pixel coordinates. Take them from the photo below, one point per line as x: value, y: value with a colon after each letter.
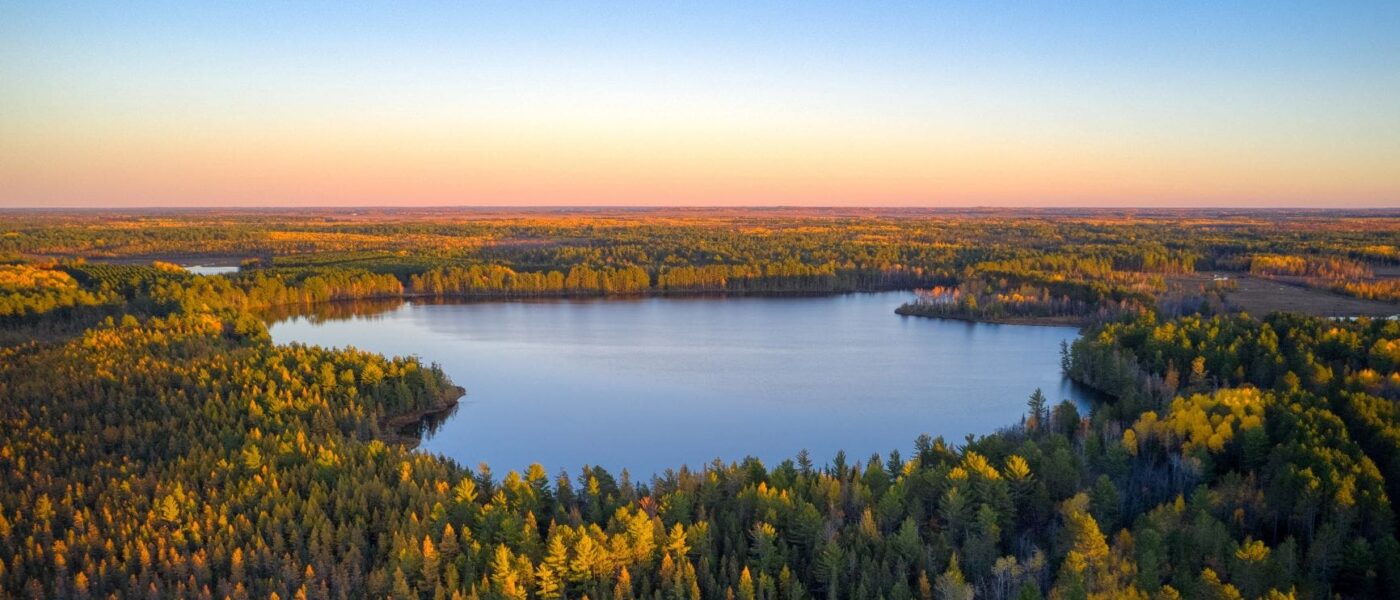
x: 700, y: 103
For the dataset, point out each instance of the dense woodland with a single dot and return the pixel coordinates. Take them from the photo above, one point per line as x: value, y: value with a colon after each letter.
x: 159, y: 445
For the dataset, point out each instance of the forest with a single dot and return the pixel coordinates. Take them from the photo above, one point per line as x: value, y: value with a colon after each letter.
x: 159, y: 445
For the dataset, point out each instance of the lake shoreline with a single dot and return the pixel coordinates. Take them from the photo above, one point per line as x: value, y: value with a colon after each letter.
x: 392, y: 427
x: 653, y: 383
x: 1064, y: 321
x: 275, y: 313
x: 449, y: 299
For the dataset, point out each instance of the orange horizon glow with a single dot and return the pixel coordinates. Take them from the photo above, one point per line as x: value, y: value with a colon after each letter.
x: 330, y: 168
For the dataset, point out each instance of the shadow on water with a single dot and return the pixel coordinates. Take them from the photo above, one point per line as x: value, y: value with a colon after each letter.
x: 430, y: 423
x: 339, y: 310
x: 1087, y: 399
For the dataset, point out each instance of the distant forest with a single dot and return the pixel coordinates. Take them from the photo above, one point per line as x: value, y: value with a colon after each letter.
x: 158, y: 445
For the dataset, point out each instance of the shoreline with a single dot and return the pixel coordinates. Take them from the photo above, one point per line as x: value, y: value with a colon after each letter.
x: 1065, y: 321
x: 427, y: 298
x: 391, y: 427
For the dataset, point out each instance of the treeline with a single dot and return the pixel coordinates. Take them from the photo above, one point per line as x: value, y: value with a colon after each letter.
x: 1068, y: 266
x: 1335, y: 273
x: 495, y: 280
x: 262, y: 289
x: 162, y: 289
x: 979, y: 301
x: 1383, y: 289
x: 1326, y: 267
x: 1080, y: 288
x: 790, y: 276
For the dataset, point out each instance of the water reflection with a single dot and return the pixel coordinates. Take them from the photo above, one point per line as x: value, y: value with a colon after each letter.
x: 331, y: 311
x: 653, y: 383
x: 430, y: 423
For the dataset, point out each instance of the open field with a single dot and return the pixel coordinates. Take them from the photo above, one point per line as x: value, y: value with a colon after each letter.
x: 1258, y: 296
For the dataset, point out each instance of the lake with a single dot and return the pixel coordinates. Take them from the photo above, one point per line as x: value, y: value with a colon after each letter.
x: 212, y: 269
x: 652, y: 383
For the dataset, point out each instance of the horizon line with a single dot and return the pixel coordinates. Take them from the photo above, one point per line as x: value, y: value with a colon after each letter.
x: 711, y: 207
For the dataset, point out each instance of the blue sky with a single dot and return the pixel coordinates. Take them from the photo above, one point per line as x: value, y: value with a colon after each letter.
x: 882, y: 103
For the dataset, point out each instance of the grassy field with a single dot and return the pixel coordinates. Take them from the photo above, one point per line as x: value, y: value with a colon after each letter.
x: 1258, y: 296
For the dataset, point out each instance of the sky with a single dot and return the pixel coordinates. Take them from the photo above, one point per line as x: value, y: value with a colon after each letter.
x: 871, y: 103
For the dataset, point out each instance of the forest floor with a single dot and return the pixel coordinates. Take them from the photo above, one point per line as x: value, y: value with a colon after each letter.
x: 1259, y: 297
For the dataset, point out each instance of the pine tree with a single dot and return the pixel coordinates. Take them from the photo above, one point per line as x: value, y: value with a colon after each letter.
x: 1037, y: 410
x: 951, y: 585
x: 746, y: 589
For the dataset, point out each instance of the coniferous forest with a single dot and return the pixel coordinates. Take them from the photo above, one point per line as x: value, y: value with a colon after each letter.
x: 157, y: 444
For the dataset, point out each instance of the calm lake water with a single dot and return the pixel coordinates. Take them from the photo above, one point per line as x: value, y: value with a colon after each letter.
x: 649, y: 384
x: 212, y: 269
